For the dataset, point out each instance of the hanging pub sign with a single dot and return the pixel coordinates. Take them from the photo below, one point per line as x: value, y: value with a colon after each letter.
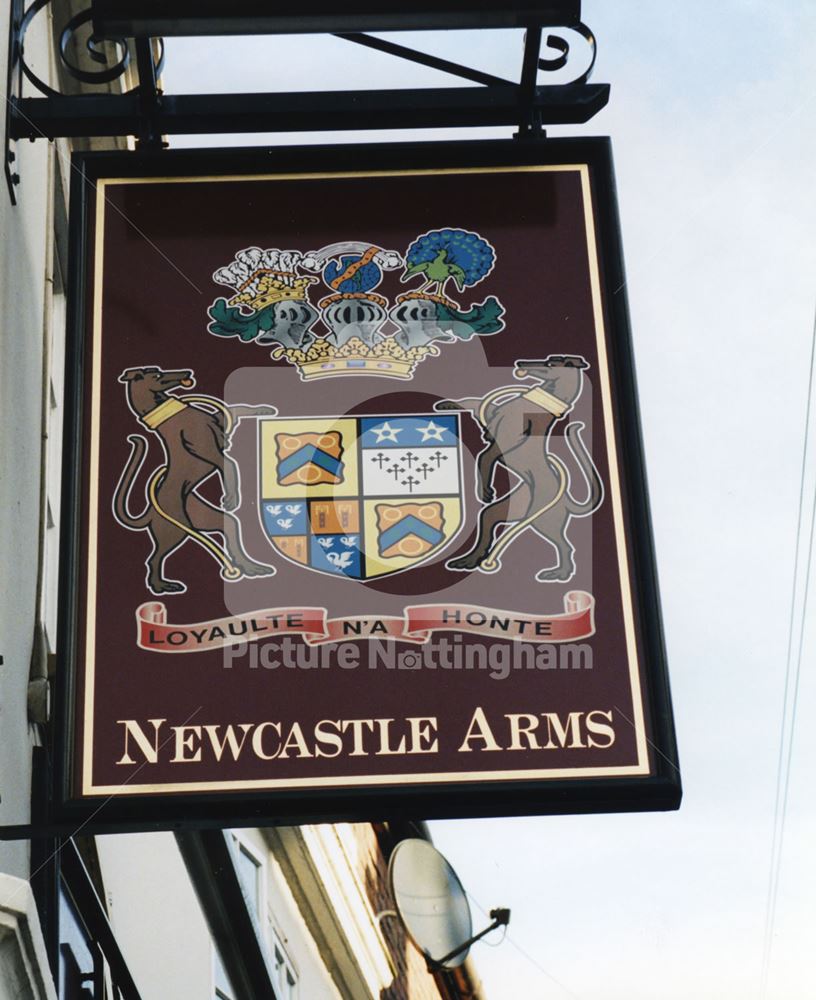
x: 357, y: 521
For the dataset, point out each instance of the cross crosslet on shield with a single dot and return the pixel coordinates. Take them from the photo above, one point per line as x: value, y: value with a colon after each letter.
x: 361, y: 496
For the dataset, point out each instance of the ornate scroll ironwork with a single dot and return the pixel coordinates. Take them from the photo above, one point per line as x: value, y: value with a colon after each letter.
x: 111, y: 66
x: 564, y: 49
x: 95, y: 52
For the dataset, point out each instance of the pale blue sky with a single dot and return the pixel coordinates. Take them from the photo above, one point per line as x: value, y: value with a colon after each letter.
x: 711, y: 116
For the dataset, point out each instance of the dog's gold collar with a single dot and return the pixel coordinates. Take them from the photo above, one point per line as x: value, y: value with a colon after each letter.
x: 546, y: 400
x: 169, y: 408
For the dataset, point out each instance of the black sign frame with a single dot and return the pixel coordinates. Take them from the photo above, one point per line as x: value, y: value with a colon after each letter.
x: 659, y: 790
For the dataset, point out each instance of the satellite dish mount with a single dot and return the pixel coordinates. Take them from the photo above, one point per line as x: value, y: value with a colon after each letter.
x: 500, y: 917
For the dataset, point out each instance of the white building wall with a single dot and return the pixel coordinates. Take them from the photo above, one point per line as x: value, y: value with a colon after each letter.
x: 26, y: 247
x: 155, y: 916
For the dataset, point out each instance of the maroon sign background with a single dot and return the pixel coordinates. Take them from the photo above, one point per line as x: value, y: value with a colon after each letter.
x: 368, y: 659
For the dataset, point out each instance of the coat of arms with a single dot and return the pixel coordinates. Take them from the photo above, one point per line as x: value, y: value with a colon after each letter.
x: 360, y: 497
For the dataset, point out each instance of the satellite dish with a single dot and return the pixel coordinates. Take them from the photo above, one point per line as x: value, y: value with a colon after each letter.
x: 431, y: 902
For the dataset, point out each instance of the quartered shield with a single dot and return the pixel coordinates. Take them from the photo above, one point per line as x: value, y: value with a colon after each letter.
x: 361, y: 497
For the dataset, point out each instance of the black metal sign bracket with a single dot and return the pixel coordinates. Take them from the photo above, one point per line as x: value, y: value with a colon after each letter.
x: 97, y: 46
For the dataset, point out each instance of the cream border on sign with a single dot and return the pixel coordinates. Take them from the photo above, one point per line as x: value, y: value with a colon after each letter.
x: 128, y: 787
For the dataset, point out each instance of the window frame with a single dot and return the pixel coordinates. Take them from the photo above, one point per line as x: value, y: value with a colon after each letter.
x: 240, y: 844
x: 287, y: 965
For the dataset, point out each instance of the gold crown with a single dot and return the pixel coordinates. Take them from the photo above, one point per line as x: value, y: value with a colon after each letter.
x: 270, y: 286
x: 387, y: 359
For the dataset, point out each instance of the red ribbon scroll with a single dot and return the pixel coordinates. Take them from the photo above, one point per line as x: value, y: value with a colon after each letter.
x: 418, y: 624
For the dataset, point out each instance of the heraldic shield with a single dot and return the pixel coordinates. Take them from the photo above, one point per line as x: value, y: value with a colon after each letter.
x: 361, y: 496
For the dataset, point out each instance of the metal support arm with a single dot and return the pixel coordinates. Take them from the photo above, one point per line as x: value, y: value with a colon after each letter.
x: 500, y: 917
x: 109, y: 115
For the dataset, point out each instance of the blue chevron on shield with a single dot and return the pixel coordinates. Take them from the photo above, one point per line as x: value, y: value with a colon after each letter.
x: 361, y: 496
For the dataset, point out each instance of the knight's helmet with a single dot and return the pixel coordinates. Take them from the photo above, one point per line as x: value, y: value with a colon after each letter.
x: 417, y: 321
x: 292, y: 322
x: 267, y: 284
x: 354, y: 317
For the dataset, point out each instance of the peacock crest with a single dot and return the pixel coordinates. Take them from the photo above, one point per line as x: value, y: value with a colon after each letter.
x: 442, y: 255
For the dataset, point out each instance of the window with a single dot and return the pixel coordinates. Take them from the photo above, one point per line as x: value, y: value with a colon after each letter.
x: 250, y: 873
x: 285, y: 975
x: 78, y: 959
